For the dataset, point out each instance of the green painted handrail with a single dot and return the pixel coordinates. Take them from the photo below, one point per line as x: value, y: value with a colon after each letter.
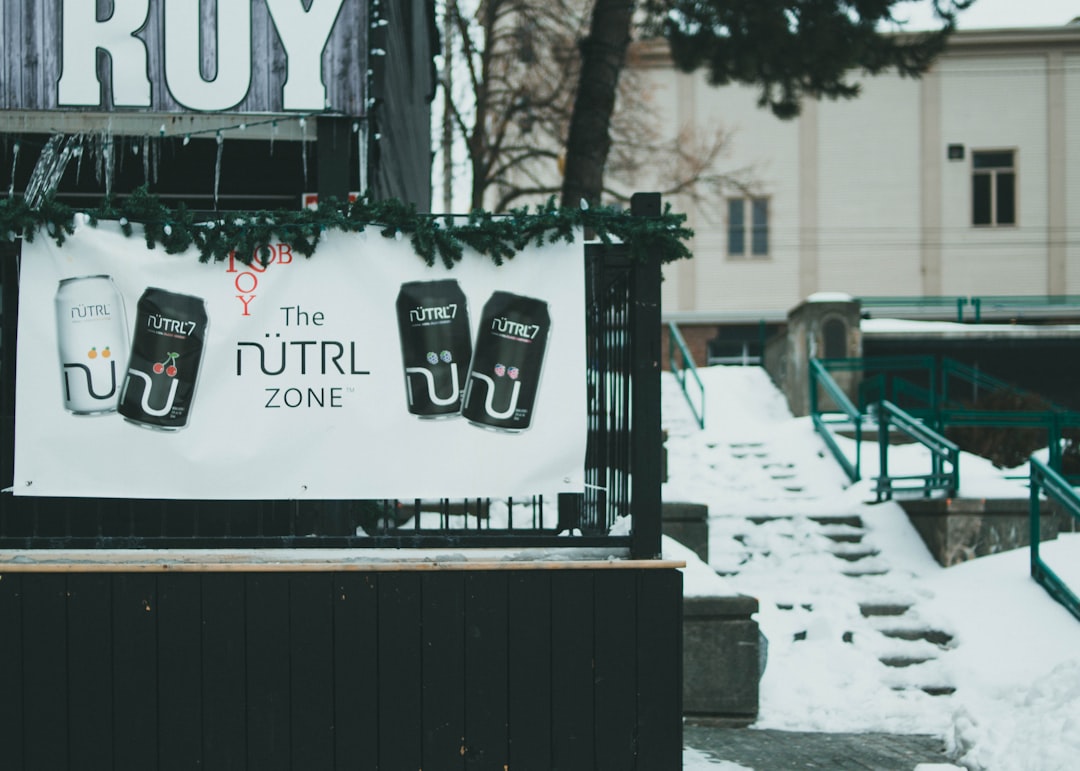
x: 848, y: 412
x: 1008, y: 302
x: 939, y: 405
x: 1044, y: 478
x: 942, y: 453
x: 978, y: 304
x: 684, y: 370
x: 931, y: 301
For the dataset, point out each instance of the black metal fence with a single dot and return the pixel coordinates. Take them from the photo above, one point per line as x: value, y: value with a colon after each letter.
x: 620, y: 507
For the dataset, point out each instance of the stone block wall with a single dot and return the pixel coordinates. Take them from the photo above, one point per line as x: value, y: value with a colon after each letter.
x: 723, y: 658
x: 688, y: 524
x: 959, y: 529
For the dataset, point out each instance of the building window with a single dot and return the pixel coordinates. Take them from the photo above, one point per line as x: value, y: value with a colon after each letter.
x: 748, y: 227
x: 993, y: 187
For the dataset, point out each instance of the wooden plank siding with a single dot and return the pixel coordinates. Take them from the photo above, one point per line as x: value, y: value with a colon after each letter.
x: 32, y: 58
x: 321, y: 670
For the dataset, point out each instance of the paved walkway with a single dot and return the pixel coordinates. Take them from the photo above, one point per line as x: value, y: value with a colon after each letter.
x: 767, y: 750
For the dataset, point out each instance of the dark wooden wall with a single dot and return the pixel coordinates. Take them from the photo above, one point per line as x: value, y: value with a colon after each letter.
x: 501, y: 669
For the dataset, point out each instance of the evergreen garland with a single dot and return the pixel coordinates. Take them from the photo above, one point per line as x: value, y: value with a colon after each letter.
x: 433, y: 237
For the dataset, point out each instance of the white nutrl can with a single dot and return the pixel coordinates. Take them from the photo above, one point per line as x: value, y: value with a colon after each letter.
x: 92, y: 336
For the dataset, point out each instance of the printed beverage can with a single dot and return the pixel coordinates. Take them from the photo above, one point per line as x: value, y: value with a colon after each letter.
x: 92, y: 335
x: 504, y: 375
x: 433, y: 322
x: 166, y: 351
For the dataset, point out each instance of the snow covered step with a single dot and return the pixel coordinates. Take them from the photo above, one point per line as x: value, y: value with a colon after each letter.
x: 904, y: 661
x: 854, y: 553
x: 929, y: 677
x: 872, y: 609
x: 910, y: 626
x: 851, y: 520
x: 728, y: 564
x: 871, y: 566
x: 853, y: 537
x: 934, y: 636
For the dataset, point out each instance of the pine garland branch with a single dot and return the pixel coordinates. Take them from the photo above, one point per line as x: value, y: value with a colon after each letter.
x: 247, y: 235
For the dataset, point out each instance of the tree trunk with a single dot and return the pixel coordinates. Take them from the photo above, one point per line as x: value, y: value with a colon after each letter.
x: 587, y: 145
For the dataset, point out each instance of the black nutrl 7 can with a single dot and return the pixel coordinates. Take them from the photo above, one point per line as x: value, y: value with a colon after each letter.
x: 166, y: 350
x: 505, y: 371
x: 433, y: 321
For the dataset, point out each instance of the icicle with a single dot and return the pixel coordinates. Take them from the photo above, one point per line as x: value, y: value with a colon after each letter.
x: 303, y: 148
x: 107, y: 162
x: 99, y: 151
x: 102, y: 147
x: 146, y: 158
x: 14, y: 161
x: 50, y: 167
x: 37, y: 184
x: 273, y: 133
x: 217, y: 167
x: 79, y: 157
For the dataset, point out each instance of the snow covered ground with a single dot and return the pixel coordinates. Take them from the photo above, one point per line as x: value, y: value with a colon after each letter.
x: 1014, y: 656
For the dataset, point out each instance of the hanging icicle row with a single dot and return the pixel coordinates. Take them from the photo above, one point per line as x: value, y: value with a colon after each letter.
x: 433, y: 237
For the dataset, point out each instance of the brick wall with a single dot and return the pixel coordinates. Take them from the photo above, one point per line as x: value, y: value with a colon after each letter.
x: 697, y: 337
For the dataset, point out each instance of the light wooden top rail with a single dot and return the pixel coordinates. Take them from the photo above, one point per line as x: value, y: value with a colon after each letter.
x: 316, y: 560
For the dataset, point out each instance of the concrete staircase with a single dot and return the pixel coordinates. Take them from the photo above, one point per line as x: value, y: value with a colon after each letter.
x: 883, y: 621
x: 782, y: 531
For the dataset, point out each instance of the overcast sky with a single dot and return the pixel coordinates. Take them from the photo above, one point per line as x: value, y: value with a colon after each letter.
x: 990, y: 14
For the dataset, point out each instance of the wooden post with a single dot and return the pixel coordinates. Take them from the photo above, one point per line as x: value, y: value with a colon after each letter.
x: 333, y: 149
x: 645, y: 439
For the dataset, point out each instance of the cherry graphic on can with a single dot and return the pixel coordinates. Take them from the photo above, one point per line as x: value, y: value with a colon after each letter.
x: 168, y: 366
x: 166, y: 351
x: 504, y: 375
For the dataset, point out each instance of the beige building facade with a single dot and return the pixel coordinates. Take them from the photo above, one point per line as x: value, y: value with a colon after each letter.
x: 965, y: 183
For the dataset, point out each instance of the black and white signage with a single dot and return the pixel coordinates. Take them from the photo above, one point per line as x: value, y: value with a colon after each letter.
x: 360, y: 372
x: 274, y: 56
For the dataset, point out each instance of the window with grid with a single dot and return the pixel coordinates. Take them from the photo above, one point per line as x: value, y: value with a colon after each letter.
x: 748, y: 227
x: 993, y: 187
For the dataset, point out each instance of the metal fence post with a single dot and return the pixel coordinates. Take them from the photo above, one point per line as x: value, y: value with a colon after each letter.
x: 9, y: 311
x: 645, y: 437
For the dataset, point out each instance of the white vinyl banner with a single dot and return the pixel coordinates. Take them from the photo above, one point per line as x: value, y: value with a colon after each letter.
x: 360, y: 372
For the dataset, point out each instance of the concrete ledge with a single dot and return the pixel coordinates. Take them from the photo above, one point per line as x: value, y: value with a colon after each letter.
x: 959, y: 529
x: 723, y: 658
x: 316, y: 560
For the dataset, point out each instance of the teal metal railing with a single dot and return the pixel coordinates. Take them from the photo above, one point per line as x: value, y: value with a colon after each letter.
x: 973, y: 383
x: 947, y: 301
x: 880, y: 378
x: 939, y: 394
x: 1045, y: 480
x: 1010, y: 303
x: 844, y: 414
x: 999, y: 304
x: 685, y: 372
x: 944, y: 474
